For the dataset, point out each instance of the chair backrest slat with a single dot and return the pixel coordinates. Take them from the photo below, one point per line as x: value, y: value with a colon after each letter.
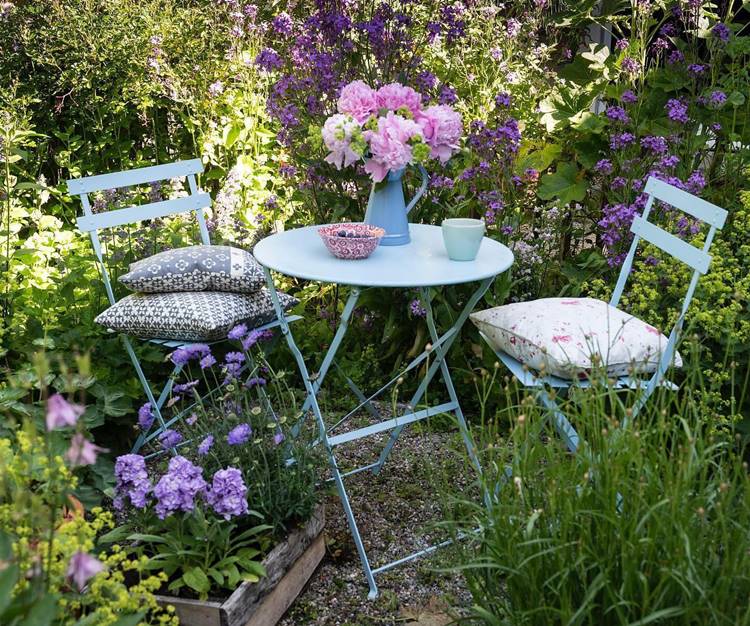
x: 153, y: 210
x: 692, y: 256
x: 704, y: 211
x: 115, y: 180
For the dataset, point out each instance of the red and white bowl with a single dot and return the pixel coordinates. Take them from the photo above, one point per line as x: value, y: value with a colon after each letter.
x: 351, y: 240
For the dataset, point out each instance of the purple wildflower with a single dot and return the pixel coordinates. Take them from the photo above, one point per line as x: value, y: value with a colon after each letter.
x: 145, y: 416
x: 182, y: 356
x: 717, y: 99
x: 234, y: 357
x: 622, y: 44
x: 170, y: 438
x: 604, y: 166
x: 656, y: 144
x: 696, y: 69
x: 513, y: 27
x: 721, y: 32
x: 278, y: 438
x: 621, y: 140
x: 82, y: 567
x: 239, y: 435
x: 216, y: 89
x: 628, y: 97
x: 132, y: 482
x: 238, y: 332
x: 675, y: 57
x: 178, y: 488
x: 669, y: 161
x: 503, y: 100
x: 617, y: 114
x: 676, y: 110
x: 282, y: 23
x: 696, y: 182
x: 416, y: 308
x: 183, y: 387
x: 228, y: 493
x: 447, y: 95
x: 630, y: 66
x: 207, y: 361
x: 269, y: 60
x: 205, y: 445
x: 255, y: 381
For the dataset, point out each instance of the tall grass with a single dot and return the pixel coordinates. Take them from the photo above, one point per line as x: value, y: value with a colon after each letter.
x: 648, y: 524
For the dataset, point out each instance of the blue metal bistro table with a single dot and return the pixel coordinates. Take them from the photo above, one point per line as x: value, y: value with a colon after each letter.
x: 421, y: 264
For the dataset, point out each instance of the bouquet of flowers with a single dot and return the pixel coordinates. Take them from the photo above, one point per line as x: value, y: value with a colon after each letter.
x: 389, y: 129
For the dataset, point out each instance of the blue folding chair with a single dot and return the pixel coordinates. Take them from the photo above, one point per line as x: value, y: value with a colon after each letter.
x: 196, y: 201
x: 698, y: 259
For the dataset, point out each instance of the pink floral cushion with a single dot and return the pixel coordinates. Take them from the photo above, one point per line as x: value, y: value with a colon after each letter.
x: 564, y: 336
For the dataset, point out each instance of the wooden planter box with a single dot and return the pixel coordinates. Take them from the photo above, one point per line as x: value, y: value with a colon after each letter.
x: 289, y: 566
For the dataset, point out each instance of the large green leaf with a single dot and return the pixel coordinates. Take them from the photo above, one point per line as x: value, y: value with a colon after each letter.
x: 8, y: 578
x: 196, y: 579
x: 539, y: 160
x: 564, y: 185
x: 43, y: 611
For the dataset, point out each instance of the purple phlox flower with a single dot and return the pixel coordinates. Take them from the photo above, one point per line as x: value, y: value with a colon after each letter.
x: 651, y: 260
x: 416, y: 308
x: 513, y: 27
x: 603, y: 166
x: 192, y: 419
x: 426, y: 81
x: 132, y: 482
x: 656, y: 144
x: 717, y: 99
x: 628, y: 97
x: 205, y: 445
x: 182, y: 356
x: 622, y: 44
x: 621, y: 140
x: 618, y: 182
x: 82, y: 451
x: 227, y: 494
x: 617, y: 114
x: 503, y: 100
x: 255, y: 381
x: 207, y: 361
x: 721, y: 32
x: 269, y: 60
x: 82, y: 568
x: 660, y: 44
x: 630, y: 66
x: 238, y: 332
x: 507, y: 230
x: 239, y: 435
x: 668, y: 30
x: 278, y: 438
x: 676, y: 110
x: 696, y: 68
x: 234, y: 357
x: 170, y: 438
x: 179, y: 487
x: 61, y: 413
x: 441, y: 182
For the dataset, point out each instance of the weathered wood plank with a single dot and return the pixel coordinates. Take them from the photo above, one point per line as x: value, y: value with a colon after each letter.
x: 276, y: 603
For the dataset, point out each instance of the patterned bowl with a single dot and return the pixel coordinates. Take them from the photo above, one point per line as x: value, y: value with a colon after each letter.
x: 351, y: 240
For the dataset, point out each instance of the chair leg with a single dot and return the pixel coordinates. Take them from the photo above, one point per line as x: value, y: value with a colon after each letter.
x: 563, y: 427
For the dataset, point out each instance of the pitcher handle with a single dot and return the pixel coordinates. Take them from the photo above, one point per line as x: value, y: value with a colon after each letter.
x: 422, y: 188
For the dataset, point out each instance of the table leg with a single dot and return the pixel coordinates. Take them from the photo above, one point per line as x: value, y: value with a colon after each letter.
x: 311, y: 388
x: 439, y: 363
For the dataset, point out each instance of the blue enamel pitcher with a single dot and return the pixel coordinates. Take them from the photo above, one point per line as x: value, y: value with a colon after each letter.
x: 387, y: 208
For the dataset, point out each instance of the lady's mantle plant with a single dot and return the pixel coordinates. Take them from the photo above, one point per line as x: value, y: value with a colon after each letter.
x: 389, y: 129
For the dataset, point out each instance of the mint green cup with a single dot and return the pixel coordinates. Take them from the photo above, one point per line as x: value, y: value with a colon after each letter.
x: 463, y: 237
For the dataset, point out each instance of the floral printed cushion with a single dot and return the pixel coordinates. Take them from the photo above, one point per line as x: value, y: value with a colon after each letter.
x: 196, y: 268
x: 189, y: 316
x: 564, y: 336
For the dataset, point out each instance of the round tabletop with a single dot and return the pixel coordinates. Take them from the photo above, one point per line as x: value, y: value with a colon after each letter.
x: 421, y: 263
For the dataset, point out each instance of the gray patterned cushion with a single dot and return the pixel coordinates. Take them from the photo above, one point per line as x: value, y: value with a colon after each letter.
x: 189, y: 316
x: 196, y: 268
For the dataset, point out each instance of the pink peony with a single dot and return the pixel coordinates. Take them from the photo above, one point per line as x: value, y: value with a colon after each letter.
x: 442, y: 129
x: 396, y: 95
x: 359, y: 100
x: 338, y: 133
x: 389, y: 147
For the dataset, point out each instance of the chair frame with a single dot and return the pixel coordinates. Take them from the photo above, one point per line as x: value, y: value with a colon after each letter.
x: 196, y: 201
x: 696, y: 258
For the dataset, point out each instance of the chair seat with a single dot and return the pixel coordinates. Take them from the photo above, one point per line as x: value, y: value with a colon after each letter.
x: 572, y: 337
x: 530, y: 378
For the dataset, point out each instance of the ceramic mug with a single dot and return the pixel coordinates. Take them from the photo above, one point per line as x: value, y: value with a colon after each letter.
x: 462, y: 237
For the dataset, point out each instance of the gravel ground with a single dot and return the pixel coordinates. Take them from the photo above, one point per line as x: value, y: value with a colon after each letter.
x: 394, y: 511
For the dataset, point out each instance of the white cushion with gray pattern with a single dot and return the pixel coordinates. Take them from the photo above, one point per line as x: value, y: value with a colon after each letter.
x: 190, y: 316
x: 196, y: 268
